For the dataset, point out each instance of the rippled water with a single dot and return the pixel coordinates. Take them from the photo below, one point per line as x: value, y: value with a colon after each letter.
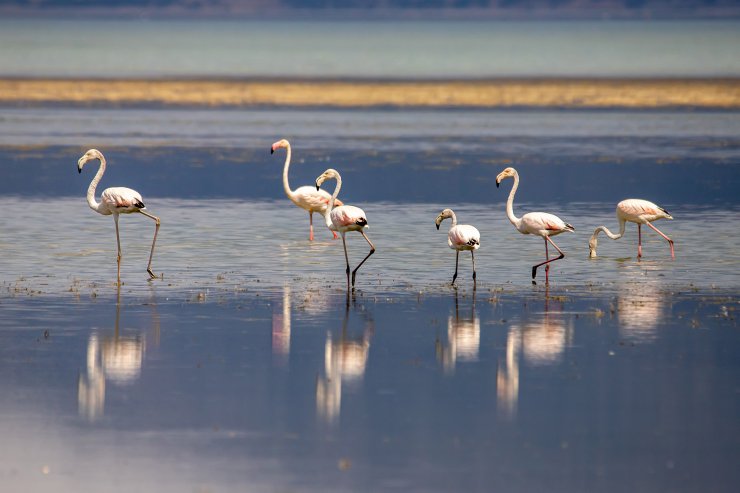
x: 247, y: 368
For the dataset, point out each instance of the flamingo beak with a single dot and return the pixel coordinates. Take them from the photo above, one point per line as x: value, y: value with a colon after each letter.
x: 496, y: 183
x: 437, y: 224
x: 272, y: 151
x: 317, y: 186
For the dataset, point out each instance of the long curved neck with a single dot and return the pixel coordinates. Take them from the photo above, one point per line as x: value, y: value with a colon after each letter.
x: 608, y: 233
x: 453, y: 217
x: 334, y: 195
x: 286, y: 185
x: 93, y: 185
x: 516, y: 221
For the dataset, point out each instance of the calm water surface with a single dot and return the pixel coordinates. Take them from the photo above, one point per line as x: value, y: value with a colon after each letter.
x: 247, y: 368
x: 380, y: 49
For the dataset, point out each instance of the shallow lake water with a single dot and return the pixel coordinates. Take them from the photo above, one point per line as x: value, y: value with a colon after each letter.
x: 247, y: 367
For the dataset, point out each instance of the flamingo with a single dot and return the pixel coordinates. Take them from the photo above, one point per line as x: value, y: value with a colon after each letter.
x: 304, y: 197
x: 635, y: 211
x: 541, y: 224
x: 115, y: 201
x: 344, y: 218
x: 460, y: 237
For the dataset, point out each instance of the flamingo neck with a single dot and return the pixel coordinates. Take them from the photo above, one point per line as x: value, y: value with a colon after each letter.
x: 593, y: 242
x: 286, y: 185
x: 516, y: 221
x: 453, y: 217
x: 334, y: 195
x: 94, y: 205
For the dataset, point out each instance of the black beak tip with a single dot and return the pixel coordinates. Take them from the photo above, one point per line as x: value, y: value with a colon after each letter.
x: 317, y: 187
x: 272, y: 151
x: 437, y: 226
x: 496, y: 184
x: 79, y: 170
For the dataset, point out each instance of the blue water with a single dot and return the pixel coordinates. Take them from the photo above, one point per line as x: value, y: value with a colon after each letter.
x: 80, y: 48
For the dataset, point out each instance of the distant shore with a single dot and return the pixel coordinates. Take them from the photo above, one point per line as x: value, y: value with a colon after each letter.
x: 544, y: 93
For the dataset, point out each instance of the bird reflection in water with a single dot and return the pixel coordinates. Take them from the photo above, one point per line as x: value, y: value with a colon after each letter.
x: 541, y: 342
x: 463, y: 338
x: 345, y: 361
x: 640, y: 307
x: 113, y: 357
x: 281, y: 330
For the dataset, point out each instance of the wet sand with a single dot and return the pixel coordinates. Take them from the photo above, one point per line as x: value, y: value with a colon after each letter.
x: 635, y: 93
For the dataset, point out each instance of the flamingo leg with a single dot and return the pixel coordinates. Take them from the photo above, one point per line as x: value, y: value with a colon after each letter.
x: 639, y: 240
x: 546, y: 262
x: 670, y: 241
x: 310, y: 225
x: 472, y: 256
x: 372, y: 250
x: 346, y: 257
x: 154, y: 242
x: 457, y: 257
x: 120, y: 255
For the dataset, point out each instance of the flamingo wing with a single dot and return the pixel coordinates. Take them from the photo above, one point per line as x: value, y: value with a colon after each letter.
x: 348, y: 216
x: 639, y: 207
x: 122, y: 198
x: 313, y: 200
x: 463, y: 237
x: 544, y: 224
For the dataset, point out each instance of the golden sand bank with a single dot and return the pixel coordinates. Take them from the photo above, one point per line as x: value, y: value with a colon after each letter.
x: 720, y: 93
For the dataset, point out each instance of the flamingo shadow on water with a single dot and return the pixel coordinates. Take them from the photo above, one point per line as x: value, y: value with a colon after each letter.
x: 345, y: 218
x: 115, y: 201
x: 541, y: 224
x: 460, y: 237
x: 463, y: 338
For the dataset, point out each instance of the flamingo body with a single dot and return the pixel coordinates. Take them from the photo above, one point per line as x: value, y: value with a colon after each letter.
x: 347, y: 218
x: 542, y: 224
x: 638, y: 211
x: 306, y: 197
x: 120, y: 200
x: 460, y: 237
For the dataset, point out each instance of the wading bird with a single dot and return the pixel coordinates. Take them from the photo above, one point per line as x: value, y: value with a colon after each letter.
x: 635, y: 211
x: 344, y: 218
x: 460, y: 237
x: 115, y: 201
x: 541, y: 224
x: 306, y: 197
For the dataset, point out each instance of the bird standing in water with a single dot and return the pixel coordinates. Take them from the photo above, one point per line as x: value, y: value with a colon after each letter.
x: 542, y: 224
x: 344, y: 218
x: 637, y: 211
x: 115, y: 201
x: 306, y: 197
x: 460, y: 237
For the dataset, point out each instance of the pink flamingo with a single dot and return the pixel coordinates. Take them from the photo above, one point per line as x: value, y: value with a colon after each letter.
x: 460, y: 237
x: 116, y: 200
x: 541, y: 224
x: 635, y: 211
x: 344, y: 218
x: 304, y: 197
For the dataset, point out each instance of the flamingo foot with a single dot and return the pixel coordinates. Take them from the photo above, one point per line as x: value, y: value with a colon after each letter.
x: 534, y: 272
x: 336, y: 236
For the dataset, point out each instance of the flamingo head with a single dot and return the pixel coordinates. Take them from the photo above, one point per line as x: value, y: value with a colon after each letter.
x: 507, y: 173
x: 90, y: 155
x: 592, y: 244
x: 666, y: 214
x: 447, y: 213
x: 327, y: 175
x: 280, y: 143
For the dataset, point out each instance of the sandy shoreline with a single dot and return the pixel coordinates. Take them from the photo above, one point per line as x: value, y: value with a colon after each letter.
x: 634, y: 93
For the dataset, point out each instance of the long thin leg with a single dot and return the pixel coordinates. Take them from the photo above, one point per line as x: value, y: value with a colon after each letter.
x: 639, y: 240
x: 472, y: 256
x: 670, y: 241
x: 534, y: 268
x: 120, y: 255
x: 154, y: 242
x: 310, y: 225
x: 372, y: 250
x: 457, y: 257
x: 346, y: 257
